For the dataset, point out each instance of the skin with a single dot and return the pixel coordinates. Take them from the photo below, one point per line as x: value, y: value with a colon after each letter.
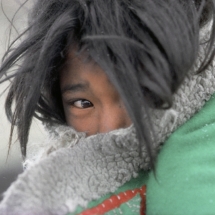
x: 91, y: 103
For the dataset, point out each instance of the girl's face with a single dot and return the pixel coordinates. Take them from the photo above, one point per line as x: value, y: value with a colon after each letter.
x: 91, y: 103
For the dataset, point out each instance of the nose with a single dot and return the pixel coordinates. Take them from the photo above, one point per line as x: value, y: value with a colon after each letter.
x: 112, y: 118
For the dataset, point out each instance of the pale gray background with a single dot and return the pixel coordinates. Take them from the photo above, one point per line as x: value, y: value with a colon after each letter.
x: 9, y: 168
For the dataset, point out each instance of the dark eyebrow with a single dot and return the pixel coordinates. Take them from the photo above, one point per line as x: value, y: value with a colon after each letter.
x: 75, y: 87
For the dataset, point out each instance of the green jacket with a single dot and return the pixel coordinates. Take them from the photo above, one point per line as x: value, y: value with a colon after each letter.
x: 185, y: 172
x: 184, y: 180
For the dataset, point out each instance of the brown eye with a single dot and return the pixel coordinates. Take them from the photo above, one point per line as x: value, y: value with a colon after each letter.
x: 82, y: 103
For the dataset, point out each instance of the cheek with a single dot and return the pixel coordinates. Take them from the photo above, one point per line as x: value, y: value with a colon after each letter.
x: 84, y: 123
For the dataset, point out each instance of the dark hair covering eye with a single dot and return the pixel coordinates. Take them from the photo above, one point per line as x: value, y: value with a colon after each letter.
x: 145, y: 47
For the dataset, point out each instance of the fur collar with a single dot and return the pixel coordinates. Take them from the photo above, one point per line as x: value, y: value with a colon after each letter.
x: 73, y: 176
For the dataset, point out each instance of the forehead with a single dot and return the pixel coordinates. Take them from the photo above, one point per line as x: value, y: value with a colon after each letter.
x: 77, y: 65
x: 80, y: 69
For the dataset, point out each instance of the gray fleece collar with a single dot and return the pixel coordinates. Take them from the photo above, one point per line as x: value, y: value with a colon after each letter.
x: 75, y: 175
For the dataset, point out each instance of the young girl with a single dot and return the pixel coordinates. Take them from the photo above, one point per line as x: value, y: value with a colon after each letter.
x: 111, y: 80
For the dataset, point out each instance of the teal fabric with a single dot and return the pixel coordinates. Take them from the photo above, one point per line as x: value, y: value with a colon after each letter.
x: 184, y: 183
x: 185, y: 172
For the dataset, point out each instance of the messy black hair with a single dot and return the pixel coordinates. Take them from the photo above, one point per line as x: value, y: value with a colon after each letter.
x: 146, y: 48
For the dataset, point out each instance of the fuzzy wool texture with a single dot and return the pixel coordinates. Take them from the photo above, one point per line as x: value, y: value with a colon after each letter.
x: 75, y: 175
x: 195, y: 90
x: 70, y: 169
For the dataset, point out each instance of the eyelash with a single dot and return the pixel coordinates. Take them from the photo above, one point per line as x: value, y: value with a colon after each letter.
x: 81, y: 106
